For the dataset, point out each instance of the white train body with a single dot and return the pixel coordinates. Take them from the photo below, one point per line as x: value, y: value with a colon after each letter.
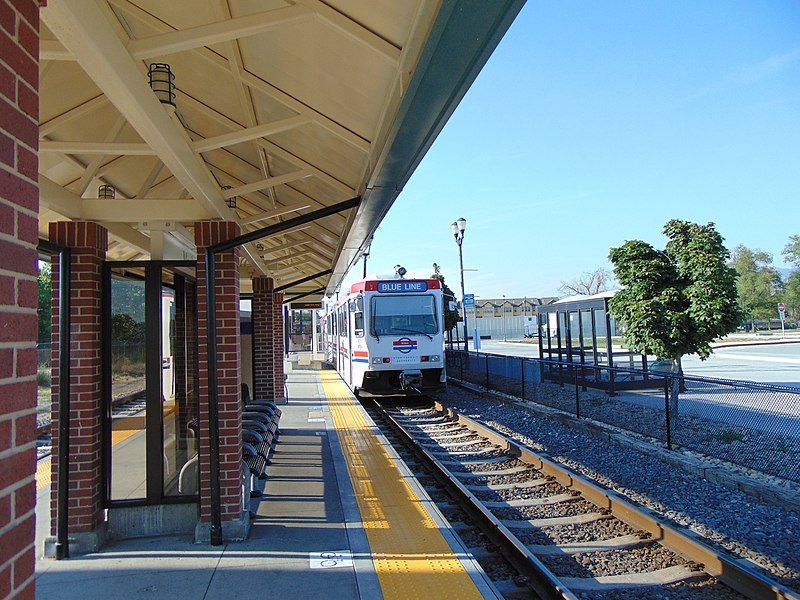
x: 385, y: 337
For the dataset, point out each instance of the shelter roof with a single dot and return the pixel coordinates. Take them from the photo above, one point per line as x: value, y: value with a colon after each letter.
x: 285, y: 106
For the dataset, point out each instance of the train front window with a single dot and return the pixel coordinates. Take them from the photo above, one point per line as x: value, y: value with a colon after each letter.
x: 395, y: 315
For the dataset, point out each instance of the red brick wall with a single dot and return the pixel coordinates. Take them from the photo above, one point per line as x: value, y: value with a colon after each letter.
x: 19, y: 207
x: 88, y: 242
x: 263, y: 353
x: 208, y: 233
x: 277, y: 341
x: 267, y: 340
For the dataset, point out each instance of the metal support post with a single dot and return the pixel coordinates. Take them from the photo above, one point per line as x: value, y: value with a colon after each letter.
x: 666, y: 411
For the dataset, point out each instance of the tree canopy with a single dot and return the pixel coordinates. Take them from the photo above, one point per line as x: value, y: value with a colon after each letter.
x: 44, y: 310
x: 677, y: 300
x: 791, y: 251
x: 758, y: 282
x: 451, y: 317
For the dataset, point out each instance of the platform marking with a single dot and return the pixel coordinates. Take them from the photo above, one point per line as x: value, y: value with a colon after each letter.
x: 316, y: 420
x: 411, y: 556
x: 330, y: 559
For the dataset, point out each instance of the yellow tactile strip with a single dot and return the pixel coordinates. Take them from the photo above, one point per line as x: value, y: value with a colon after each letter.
x: 411, y: 557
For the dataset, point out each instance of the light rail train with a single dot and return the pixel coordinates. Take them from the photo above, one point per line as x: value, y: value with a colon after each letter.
x: 386, y: 337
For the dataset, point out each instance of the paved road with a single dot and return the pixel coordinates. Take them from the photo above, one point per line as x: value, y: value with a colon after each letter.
x: 767, y: 363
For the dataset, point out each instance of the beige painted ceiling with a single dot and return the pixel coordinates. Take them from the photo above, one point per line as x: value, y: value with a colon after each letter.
x: 286, y: 106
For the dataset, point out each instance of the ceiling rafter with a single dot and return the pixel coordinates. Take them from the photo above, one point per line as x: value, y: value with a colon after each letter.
x: 304, y: 198
x: 281, y: 247
x: 253, y: 81
x: 250, y: 133
x: 266, y: 183
x: 272, y: 147
x: 86, y: 32
x: 106, y: 148
x: 234, y: 56
x: 276, y: 212
x: 147, y: 184
x: 51, y: 125
x: 214, y: 33
x: 94, y: 166
x: 353, y: 30
x: 70, y: 205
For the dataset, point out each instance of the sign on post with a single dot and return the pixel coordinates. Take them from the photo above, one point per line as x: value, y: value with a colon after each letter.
x: 469, y: 300
x: 782, y: 314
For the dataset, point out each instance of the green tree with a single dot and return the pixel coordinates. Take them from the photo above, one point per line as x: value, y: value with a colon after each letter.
x: 791, y: 290
x: 791, y: 296
x: 678, y: 300
x: 44, y: 310
x: 126, y: 329
x: 791, y: 252
x: 451, y: 316
x: 758, y: 282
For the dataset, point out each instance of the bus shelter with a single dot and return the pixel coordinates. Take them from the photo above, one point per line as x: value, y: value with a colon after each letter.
x: 579, y: 330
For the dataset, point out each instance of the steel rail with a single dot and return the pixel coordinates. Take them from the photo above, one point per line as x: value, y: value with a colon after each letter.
x: 739, y: 577
x: 541, y: 579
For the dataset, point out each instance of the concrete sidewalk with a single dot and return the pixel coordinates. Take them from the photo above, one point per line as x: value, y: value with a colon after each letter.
x: 303, y: 527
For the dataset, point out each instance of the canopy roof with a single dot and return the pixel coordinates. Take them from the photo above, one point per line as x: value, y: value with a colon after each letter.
x: 285, y: 107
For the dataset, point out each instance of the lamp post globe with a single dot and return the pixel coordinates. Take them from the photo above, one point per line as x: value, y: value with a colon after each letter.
x: 458, y: 227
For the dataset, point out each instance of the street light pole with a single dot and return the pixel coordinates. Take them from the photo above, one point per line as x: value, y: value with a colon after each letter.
x: 458, y: 232
x: 505, y: 339
x: 366, y: 255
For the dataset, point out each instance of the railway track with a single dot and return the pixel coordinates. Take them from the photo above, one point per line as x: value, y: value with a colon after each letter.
x: 565, y: 535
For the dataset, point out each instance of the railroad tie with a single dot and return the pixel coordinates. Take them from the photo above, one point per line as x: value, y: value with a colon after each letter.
x: 623, y: 542
x: 632, y: 580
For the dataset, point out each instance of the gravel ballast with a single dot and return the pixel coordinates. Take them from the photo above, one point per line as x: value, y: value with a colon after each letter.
x: 744, y: 527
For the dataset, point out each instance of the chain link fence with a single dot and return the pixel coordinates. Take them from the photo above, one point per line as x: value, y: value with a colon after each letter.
x: 750, y: 424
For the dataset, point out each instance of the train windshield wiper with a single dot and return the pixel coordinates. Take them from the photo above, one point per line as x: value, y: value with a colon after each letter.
x: 429, y: 336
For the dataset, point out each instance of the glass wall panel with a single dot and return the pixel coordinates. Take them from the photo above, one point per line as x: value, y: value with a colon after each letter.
x: 574, y: 336
x: 601, y: 333
x: 128, y: 406
x: 180, y: 401
x: 586, y: 336
x: 43, y: 344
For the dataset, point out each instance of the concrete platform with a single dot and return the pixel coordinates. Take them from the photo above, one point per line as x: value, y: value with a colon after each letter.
x: 306, y: 540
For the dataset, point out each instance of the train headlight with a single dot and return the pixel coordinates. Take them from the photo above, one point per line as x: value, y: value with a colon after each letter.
x: 435, y: 358
x: 377, y: 360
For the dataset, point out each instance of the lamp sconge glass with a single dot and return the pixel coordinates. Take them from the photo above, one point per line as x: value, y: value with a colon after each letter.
x: 162, y: 82
x: 232, y: 200
x: 107, y: 192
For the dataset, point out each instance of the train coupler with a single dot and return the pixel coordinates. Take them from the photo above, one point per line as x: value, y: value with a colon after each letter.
x: 411, y: 379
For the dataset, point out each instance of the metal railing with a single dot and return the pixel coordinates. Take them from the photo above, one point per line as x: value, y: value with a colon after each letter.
x: 751, y: 424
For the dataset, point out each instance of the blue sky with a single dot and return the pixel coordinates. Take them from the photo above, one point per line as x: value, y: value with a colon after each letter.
x: 596, y: 122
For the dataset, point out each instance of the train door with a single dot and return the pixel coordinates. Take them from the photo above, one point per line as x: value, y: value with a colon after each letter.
x: 341, y: 337
x: 350, y: 341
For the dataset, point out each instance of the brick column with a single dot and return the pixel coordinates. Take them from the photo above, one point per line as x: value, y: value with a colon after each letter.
x: 208, y: 233
x: 263, y: 342
x: 19, y: 206
x: 277, y: 341
x: 88, y: 242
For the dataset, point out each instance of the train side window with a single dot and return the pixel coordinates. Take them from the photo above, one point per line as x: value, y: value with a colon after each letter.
x: 358, y: 324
